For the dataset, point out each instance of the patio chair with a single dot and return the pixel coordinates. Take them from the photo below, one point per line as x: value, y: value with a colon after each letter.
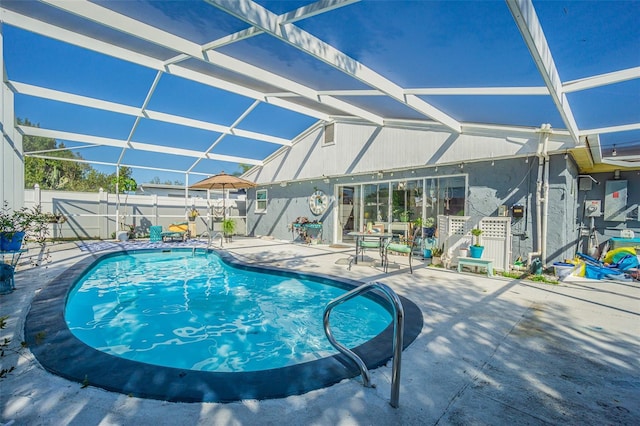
x: 155, y: 234
x: 372, y: 242
x: 7, y: 284
x: 401, y: 248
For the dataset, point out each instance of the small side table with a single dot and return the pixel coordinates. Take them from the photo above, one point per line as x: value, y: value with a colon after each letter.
x: 7, y: 269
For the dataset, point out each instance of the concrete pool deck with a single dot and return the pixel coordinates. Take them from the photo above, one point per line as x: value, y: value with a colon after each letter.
x: 492, y: 351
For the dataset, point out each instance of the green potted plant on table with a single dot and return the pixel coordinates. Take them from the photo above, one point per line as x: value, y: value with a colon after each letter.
x: 228, y: 228
x: 475, y: 250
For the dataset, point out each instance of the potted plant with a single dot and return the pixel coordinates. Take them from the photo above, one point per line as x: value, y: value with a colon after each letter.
x: 436, y: 255
x: 56, y: 218
x: 228, y: 228
x: 131, y: 232
x: 405, y: 216
x: 428, y: 227
x: 475, y: 250
x: 13, y: 227
x: 193, y: 214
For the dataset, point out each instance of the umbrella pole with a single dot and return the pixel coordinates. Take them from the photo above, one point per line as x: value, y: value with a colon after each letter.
x: 224, y: 216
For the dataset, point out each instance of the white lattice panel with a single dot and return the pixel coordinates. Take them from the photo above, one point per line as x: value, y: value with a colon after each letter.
x: 492, y: 228
x: 458, y: 226
x: 455, y: 233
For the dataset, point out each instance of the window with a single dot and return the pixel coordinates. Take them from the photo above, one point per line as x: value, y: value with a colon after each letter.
x: 329, y: 134
x: 396, y: 203
x: 261, y: 200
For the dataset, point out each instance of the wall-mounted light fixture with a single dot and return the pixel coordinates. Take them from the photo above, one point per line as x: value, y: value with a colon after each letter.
x: 283, y: 184
x: 326, y: 179
x: 461, y: 166
x: 613, y: 151
x: 566, y: 155
x: 584, y: 182
x: 380, y: 174
x: 526, y: 160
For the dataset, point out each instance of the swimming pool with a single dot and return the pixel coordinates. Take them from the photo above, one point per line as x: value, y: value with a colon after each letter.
x: 59, y: 351
x: 191, y: 310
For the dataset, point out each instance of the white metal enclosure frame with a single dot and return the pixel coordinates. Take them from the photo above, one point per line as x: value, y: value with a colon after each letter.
x: 60, y: 20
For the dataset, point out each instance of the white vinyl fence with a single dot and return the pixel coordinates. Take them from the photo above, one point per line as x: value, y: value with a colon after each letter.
x: 454, y: 233
x: 96, y: 214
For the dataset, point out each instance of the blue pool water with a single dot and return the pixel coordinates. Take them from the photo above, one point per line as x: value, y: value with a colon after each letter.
x: 196, y: 312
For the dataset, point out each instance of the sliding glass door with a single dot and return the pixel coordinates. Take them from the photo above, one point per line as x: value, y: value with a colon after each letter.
x: 396, y: 204
x: 348, y: 210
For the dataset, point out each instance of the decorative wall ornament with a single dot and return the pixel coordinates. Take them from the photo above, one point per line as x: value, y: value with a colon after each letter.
x: 318, y: 202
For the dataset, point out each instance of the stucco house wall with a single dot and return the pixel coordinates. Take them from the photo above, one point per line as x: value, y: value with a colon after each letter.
x: 501, y: 169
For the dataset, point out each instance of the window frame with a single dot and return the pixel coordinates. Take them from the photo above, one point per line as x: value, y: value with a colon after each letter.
x: 260, y: 201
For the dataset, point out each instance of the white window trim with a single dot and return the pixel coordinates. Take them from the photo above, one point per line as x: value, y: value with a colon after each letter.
x: 326, y: 142
x: 258, y: 201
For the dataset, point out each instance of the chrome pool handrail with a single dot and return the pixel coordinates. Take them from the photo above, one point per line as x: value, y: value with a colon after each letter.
x: 211, y: 238
x: 398, y: 333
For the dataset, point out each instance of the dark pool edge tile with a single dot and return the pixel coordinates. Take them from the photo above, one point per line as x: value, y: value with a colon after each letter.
x: 61, y: 353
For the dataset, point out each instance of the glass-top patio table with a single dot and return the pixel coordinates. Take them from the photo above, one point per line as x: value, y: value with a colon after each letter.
x: 361, y: 235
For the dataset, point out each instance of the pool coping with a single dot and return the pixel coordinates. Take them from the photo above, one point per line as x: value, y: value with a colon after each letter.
x: 61, y: 353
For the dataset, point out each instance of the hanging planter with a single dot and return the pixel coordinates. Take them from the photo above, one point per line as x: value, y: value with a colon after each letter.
x: 193, y: 214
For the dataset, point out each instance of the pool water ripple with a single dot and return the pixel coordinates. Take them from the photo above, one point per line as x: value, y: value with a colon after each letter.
x: 196, y: 312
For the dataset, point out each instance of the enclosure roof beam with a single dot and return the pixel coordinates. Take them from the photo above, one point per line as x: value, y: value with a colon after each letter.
x: 273, y: 24
x: 107, y: 163
x: 120, y: 143
x: 48, y: 30
x: 612, y: 129
x: 125, y: 24
x: 601, y: 80
x: 56, y: 95
x: 527, y: 21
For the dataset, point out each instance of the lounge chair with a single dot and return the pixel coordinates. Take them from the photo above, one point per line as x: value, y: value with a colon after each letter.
x: 176, y: 230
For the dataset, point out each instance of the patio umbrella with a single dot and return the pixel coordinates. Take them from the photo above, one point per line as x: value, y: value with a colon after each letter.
x: 223, y: 181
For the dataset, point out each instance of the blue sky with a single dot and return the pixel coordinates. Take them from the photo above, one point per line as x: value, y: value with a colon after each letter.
x: 415, y: 44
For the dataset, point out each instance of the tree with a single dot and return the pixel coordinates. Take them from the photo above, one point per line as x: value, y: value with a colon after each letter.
x: 244, y: 168
x: 123, y: 183
x: 58, y: 174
